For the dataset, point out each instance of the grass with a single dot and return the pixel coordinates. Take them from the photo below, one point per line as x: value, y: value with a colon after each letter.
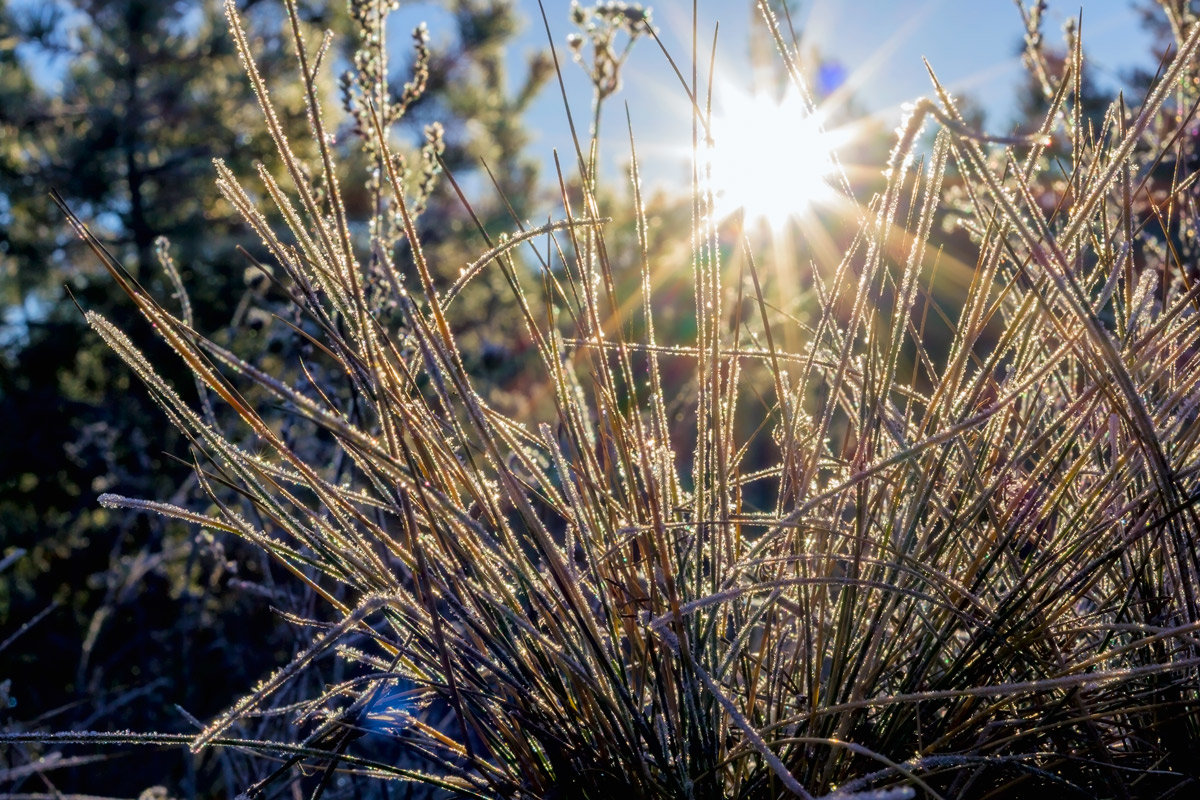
x: 877, y: 564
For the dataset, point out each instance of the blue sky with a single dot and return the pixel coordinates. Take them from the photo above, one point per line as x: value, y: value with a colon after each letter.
x: 972, y: 44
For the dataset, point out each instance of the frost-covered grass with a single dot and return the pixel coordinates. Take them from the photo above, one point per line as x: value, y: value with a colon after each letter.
x: 956, y: 568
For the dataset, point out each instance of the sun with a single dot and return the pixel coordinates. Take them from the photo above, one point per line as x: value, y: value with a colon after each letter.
x: 770, y: 156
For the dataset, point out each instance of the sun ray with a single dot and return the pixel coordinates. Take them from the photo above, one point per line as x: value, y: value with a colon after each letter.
x: 769, y: 156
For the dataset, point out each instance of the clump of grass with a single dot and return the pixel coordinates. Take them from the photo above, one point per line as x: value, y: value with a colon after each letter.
x: 975, y: 572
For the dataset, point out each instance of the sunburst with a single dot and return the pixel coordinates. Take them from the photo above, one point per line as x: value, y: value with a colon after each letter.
x: 771, y: 157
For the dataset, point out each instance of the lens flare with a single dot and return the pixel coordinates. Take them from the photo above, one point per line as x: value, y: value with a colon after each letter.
x: 769, y: 156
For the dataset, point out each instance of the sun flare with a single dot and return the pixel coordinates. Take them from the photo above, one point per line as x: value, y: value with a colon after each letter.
x: 769, y: 156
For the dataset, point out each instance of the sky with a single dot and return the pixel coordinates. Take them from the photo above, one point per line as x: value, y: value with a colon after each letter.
x: 973, y: 45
